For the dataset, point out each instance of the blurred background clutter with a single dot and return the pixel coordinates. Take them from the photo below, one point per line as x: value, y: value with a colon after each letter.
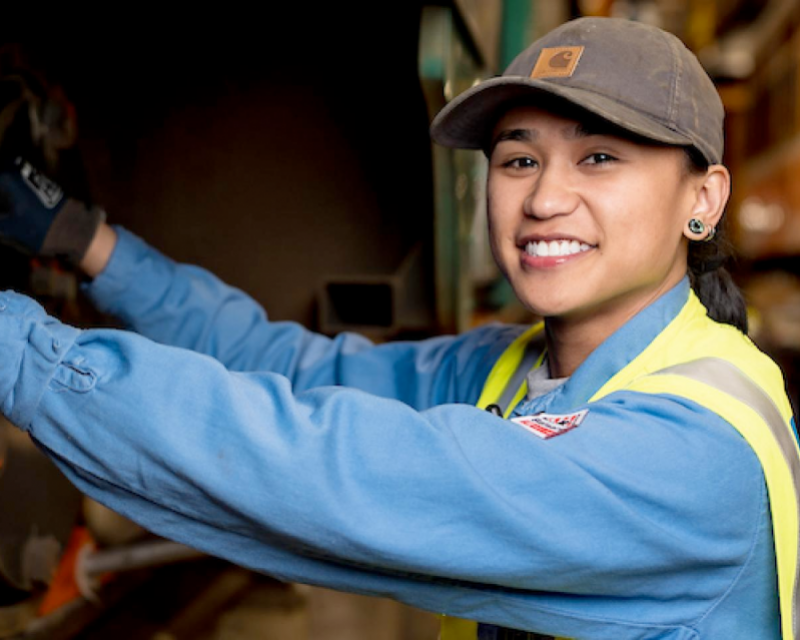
x: 297, y: 166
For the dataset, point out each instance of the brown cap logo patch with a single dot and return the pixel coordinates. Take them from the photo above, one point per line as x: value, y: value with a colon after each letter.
x: 557, y: 62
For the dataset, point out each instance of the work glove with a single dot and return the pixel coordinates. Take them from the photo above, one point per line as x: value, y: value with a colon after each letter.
x: 37, y: 217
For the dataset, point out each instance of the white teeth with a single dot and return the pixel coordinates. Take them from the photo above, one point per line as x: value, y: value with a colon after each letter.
x: 542, y: 249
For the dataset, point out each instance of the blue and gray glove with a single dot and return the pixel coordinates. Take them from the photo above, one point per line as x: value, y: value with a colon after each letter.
x: 37, y: 217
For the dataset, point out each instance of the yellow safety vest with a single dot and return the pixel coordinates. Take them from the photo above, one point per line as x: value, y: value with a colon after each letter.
x: 720, y: 369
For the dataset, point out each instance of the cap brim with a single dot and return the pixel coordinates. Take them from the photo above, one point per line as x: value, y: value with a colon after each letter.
x: 466, y: 122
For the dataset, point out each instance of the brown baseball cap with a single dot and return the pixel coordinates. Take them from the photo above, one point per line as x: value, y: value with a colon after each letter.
x: 638, y: 77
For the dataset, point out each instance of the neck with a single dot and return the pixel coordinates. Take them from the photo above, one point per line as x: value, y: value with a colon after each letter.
x: 572, y: 339
x: 569, y: 344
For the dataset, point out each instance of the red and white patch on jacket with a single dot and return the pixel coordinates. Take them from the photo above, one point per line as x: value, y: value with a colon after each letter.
x: 549, y: 425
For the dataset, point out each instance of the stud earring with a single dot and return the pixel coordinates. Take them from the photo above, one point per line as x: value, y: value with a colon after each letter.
x: 696, y: 226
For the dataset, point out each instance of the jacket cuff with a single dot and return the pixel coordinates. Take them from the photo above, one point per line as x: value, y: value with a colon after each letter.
x: 129, y: 258
x: 33, y: 346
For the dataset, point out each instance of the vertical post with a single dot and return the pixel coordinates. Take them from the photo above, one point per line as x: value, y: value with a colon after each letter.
x: 517, y: 28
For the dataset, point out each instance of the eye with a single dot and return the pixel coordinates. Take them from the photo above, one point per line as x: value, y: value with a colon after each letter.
x: 599, y: 158
x: 523, y: 162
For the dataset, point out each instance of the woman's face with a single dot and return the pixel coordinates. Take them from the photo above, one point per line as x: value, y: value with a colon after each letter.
x: 585, y: 225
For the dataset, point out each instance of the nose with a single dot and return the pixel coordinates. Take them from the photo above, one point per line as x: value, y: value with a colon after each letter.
x: 552, y: 194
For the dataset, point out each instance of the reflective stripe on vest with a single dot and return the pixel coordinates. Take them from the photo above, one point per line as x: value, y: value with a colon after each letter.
x: 728, y: 392
x: 506, y: 386
x: 706, y: 365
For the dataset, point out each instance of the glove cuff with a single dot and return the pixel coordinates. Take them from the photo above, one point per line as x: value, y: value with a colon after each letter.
x: 72, y: 231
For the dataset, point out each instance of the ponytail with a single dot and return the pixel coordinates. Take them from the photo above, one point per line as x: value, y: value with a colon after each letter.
x: 720, y: 295
x: 709, y: 279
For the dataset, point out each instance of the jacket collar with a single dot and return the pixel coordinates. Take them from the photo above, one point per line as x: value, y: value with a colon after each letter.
x: 615, y: 353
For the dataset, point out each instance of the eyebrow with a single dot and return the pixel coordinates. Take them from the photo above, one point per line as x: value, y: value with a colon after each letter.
x: 583, y: 130
x: 580, y: 130
x: 515, y: 135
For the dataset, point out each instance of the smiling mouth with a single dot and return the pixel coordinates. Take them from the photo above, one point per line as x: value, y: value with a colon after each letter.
x: 545, y: 248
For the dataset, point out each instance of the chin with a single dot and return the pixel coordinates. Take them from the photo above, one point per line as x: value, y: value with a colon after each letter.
x: 544, y: 308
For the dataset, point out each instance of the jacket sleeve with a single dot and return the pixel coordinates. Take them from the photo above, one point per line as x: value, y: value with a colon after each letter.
x: 186, y: 306
x: 451, y: 509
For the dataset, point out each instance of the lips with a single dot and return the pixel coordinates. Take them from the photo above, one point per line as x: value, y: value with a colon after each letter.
x: 555, y: 248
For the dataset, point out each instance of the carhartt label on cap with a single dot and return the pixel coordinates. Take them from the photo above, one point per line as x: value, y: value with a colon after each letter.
x: 557, y: 62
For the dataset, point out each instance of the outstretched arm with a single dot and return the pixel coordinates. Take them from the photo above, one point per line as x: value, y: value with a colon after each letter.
x: 451, y: 509
x: 185, y: 306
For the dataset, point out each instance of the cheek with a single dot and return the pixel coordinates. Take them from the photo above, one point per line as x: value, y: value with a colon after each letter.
x: 651, y: 246
x: 501, y: 205
x: 498, y: 229
x: 492, y: 226
x: 654, y: 214
x: 493, y: 211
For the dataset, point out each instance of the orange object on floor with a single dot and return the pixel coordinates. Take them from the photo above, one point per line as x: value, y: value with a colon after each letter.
x: 64, y: 587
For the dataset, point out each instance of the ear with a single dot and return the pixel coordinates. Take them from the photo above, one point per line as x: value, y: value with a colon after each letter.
x: 711, y: 194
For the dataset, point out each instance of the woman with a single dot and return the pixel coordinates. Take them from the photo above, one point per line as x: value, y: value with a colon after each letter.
x: 628, y: 493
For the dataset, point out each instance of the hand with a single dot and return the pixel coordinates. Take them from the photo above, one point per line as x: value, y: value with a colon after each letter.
x: 36, y: 215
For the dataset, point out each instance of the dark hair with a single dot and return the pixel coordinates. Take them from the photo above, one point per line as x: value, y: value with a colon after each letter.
x: 710, y: 280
